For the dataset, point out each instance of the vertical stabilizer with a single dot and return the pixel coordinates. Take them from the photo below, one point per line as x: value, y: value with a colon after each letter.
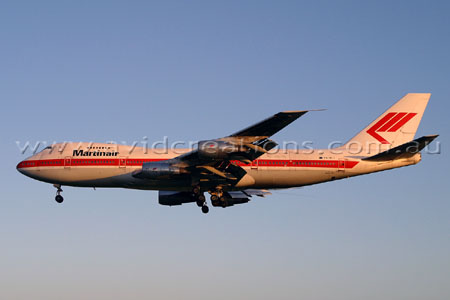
x: 394, y: 127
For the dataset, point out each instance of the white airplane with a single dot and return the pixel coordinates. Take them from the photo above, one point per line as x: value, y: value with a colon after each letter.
x: 234, y: 168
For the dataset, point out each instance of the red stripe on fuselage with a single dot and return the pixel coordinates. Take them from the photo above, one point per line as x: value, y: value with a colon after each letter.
x: 83, y: 162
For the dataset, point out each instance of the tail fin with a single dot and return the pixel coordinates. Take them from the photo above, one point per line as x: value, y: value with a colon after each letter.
x: 394, y: 127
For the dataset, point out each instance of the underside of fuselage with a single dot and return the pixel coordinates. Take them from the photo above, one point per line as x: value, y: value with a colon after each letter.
x: 264, y: 179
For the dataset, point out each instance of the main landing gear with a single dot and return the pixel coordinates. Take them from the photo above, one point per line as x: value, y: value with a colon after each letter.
x: 58, y: 197
x: 200, y: 199
x: 217, y: 198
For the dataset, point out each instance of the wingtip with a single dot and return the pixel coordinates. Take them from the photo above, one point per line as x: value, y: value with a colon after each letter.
x: 300, y: 111
x: 293, y: 111
x: 427, y: 94
x: 419, y: 96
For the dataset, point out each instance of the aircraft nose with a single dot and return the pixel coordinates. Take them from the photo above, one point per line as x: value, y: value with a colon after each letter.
x: 20, y: 167
x: 24, y: 167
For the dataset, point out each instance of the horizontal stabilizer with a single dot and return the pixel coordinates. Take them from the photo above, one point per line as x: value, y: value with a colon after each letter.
x: 404, y: 150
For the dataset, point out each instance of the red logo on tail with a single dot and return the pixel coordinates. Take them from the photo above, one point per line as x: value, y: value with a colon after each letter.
x: 391, y: 122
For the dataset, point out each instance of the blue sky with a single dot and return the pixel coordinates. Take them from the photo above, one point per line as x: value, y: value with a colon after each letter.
x: 190, y: 70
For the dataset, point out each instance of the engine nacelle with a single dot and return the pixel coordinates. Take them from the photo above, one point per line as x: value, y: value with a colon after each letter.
x: 154, y: 170
x: 229, y: 202
x: 174, y: 198
x: 216, y: 149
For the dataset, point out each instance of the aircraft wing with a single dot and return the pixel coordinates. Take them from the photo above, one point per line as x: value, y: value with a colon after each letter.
x: 213, y: 157
x: 211, y: 161
x: 245, y: 145
x: 269, y: 126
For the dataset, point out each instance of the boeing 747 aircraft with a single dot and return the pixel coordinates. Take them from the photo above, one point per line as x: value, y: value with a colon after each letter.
x: 234, y: 168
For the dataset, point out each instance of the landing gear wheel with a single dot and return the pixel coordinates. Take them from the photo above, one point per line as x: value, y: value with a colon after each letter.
x: 200, y: 200
x: 59, y: 198
x: 205, y: 209
x: 196, y: 190
x: 223, y: 202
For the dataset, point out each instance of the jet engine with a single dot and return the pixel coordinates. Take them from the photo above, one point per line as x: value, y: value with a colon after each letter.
x: 171, y: 198
x: 216, y: 149
x: 155, y: 170
x: 228, y: 201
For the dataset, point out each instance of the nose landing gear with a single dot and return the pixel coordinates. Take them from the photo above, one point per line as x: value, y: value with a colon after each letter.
x: 205, y: 209
x: 58, y: 197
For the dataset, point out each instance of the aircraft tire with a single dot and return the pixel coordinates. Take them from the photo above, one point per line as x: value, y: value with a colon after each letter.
x: 59, y: 198
x: 196, y: 190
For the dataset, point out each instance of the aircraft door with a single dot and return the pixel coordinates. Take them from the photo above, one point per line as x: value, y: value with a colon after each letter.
x: 341, y: 165
x: 67, y: 162
x: 122, y: 162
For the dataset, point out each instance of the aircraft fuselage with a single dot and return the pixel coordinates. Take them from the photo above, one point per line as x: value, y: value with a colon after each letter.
x: 107, y: 165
